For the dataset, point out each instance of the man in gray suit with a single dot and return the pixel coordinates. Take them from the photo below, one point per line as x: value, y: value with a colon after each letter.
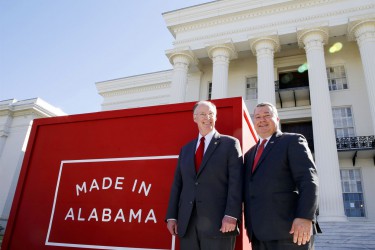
x: 205, y: 202
x: 280, y: 187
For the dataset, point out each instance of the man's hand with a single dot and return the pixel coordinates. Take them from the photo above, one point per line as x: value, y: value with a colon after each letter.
x: 301, y: 230
x: 172, y: 227
x: 228, y: 224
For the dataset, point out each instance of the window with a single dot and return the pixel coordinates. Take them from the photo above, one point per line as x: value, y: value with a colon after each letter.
x: 251, y: 88
x: 343, y: 122
x: 351, y: 183
x: 209, y: 91
x: 336, y: 78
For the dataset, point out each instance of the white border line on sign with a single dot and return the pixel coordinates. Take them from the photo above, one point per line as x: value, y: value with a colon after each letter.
x: 100, y: 160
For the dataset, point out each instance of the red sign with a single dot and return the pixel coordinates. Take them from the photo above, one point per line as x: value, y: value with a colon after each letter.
x: 102, y: 180
x: 110, y: 195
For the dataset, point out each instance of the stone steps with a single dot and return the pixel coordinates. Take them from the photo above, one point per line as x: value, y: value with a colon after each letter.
x: 346, y: 235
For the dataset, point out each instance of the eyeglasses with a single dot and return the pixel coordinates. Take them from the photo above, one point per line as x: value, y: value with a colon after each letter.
x: 260, y: 117
x: 204, y: 115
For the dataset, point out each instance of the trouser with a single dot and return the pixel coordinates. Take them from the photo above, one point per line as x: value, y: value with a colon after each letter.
x: 194, y: 239
x: 280, y: 244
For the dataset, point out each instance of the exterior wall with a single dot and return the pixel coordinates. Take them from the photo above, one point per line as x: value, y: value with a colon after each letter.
x: 11, y: 161
x: 354, y: 95
x: 15, y: 123
x: 239, y: 70
x: 243, y: 31
x: 136, y: 91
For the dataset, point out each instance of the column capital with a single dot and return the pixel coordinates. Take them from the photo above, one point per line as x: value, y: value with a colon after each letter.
x: 318, y: 34
x: 182, y: 55
x: 223, y: 48
x: 359, y: 28
x: 265, y: 42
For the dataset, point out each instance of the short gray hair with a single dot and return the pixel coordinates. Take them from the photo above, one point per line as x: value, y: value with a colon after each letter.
x: 207, y: 103
x: 273, y: 108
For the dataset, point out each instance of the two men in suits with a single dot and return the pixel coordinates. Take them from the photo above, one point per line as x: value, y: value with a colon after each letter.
x: 205, y: 204
x: 281, y: 188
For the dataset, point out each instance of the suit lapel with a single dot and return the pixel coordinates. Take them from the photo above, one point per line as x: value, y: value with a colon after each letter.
x: 272, y: 142
x: 215, y: 141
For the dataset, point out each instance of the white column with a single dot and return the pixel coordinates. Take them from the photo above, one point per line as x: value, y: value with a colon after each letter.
x: 181, y: 61
x: 221, y: 55
x: 364, y: 32
x: 264, y: 48
x: 331, y: 206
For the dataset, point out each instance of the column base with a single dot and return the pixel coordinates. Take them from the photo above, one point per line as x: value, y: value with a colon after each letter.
x: 333, y: 218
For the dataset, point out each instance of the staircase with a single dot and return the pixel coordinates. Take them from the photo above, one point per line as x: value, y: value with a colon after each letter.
x: 346, y: 236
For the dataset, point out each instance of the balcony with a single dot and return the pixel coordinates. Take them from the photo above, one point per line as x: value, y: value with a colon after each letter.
x: 362, y: 146
x: 292, y: 97
x: 355, y: 143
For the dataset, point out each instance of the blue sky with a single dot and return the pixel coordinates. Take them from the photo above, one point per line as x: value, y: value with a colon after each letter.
x: 58, y: 49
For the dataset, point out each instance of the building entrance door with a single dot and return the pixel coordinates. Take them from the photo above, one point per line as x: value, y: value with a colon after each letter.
x: 304, y: 128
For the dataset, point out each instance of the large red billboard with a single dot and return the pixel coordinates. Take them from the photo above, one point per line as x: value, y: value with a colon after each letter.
x: 102, y: 180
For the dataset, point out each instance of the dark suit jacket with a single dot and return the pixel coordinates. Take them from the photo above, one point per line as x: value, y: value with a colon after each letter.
x: 284, y: 186
x: 216, y: 190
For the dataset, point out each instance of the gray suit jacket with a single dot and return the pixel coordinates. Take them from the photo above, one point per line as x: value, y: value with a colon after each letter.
x: 216, y: 190
x: 284, y: 186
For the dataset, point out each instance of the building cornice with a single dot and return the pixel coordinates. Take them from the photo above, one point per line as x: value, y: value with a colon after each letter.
x: 34, y: 107
x: 264, y: 11
x: 220, y: 12
x: 37, y: 107
x: 269, y: 10
x: 30, y: 112
x: 6, y: 112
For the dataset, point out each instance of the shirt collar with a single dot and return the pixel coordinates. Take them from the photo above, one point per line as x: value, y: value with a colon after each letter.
x: 268, y: 139
x: 207, y: 137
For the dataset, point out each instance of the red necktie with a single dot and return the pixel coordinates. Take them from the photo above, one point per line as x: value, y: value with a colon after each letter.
x: 258, y: 154
x: 199, y: 154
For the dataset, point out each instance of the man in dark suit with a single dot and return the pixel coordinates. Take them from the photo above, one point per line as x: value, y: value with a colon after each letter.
x: 205, y: 203
x: 280, y: 187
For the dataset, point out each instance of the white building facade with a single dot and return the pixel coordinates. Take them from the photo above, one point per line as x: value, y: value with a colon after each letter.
x: 314, y: 59
x: 16, y: 119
